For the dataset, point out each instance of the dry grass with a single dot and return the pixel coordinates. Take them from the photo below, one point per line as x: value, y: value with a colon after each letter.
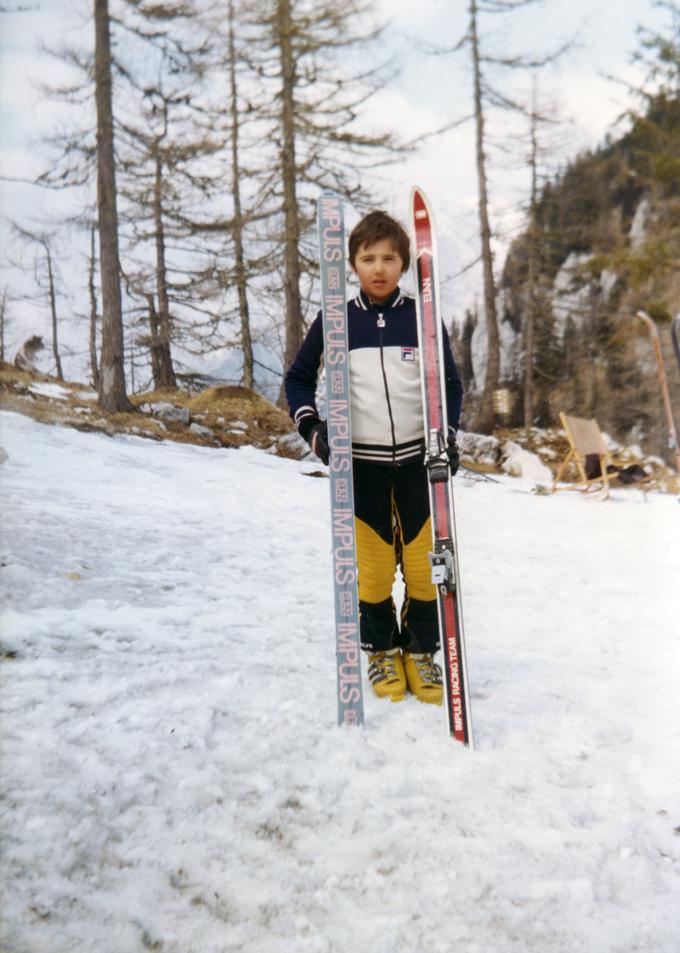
x: 235, y: 404
x: 234, y: 415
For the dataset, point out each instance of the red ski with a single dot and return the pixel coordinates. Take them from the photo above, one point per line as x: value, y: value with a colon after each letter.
x: 443, y: 558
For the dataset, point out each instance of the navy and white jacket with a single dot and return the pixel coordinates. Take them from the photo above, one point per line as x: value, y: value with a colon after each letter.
x: 384, y: 372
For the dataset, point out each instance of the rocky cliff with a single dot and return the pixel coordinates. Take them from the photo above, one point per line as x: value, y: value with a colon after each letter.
x: 607, y: 244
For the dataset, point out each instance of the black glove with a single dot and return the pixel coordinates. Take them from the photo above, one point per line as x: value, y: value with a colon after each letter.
x: 452, y: 452
x: 319, y: 442
x: 315, y: 432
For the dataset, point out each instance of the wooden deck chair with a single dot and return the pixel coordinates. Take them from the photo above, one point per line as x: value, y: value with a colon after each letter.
x: 585, y: 438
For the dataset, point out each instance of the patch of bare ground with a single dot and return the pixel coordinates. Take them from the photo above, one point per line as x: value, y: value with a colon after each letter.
x: 231, y: 416
x: 224, y: 416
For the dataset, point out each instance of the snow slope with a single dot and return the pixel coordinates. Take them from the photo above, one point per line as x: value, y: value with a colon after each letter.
x: 173, y: 777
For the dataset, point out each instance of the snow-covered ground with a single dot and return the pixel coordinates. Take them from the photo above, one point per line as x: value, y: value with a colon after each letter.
x: 174, y: 780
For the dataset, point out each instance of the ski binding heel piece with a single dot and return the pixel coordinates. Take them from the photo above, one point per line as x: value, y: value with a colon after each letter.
x: 442, y: 565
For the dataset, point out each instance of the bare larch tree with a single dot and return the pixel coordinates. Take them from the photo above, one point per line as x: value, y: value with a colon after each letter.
x: 112, y: 392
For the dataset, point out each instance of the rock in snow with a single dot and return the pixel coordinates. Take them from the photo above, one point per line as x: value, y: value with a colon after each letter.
x: 201, y: 431
x: 522, y: 463
x: 168, y: 412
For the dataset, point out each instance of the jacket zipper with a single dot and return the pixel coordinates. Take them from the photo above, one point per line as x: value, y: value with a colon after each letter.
x: 381, y: 325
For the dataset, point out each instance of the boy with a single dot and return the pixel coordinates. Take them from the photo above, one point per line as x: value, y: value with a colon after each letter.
x: 390, y: 481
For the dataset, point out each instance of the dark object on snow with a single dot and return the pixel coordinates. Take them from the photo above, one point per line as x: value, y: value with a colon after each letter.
x: 675, y: 331
x: 626, y: 475
x: 25, y: 356
x: 478, y: 475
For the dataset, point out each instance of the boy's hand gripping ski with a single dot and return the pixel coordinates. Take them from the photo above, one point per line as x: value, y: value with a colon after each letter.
x: 443, y: 558
x: 336, y: 360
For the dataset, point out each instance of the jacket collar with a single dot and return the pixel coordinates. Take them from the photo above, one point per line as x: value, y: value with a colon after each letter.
x: 394, y: 301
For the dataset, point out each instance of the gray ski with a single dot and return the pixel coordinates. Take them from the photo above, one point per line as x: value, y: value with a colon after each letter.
x: 336, y: 361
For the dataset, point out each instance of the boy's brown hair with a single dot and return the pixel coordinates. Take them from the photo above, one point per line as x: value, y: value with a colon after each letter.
x: 375, y: 227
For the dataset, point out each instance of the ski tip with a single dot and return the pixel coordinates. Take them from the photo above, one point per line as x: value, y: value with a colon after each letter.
x: 417, y: 199
x: 326, y: 194
x: 329, y: 209
x: 420, y: 209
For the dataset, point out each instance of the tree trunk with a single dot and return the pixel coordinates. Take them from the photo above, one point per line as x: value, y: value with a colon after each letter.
x: 165, y: 369
x: 239, y: 258
x: 530, y: 319
x: 53, y: 314
x: 112, y: 394
x: 131, y: 351
x: 529, y: 326
x: 154, y: 335
x: 291, y: 238
x: 485, y: 415
x: 3, y: 312
x: 467, y: 367
x: 94, y: 366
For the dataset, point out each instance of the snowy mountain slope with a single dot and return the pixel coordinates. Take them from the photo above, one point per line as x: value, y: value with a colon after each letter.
x: 173, y: 778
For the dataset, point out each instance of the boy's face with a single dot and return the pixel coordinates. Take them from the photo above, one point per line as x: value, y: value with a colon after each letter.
x: 378, y: 267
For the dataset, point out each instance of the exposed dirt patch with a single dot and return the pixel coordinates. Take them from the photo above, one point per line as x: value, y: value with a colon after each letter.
x: 232, y: 417
x: 218, y: 417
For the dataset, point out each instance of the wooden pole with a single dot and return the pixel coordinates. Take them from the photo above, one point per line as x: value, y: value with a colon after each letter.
x: 672, y: 431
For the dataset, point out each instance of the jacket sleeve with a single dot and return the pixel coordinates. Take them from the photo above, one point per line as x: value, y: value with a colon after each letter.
x: 300, y: 380
x: 454, y: 386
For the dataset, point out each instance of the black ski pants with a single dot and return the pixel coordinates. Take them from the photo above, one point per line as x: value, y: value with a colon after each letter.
x: 393, y: 528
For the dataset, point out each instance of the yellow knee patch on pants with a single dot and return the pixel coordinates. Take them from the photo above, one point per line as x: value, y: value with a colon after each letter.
x: 377, y: 564
x: 416, y: 565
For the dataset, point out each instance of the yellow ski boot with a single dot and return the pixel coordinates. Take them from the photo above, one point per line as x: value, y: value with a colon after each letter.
x: 386, y: 675
x: 424, y: 677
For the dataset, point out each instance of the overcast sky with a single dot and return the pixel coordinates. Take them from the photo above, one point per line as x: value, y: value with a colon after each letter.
x: 432, y: 90
x: 429, y: 92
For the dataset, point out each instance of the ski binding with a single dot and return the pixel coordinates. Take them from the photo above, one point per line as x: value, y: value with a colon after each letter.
x: 442, y: 565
